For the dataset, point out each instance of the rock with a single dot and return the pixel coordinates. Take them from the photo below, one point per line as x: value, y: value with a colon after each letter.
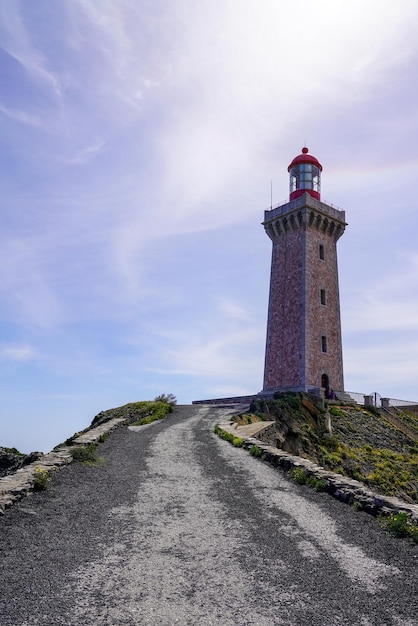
x: 11, y: 460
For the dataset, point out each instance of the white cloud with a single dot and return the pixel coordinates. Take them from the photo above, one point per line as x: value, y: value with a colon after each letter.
x: 180, y: 115
x: 21, y: 116
x: 14, y: 352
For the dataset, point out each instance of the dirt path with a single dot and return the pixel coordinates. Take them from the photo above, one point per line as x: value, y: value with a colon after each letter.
x: 179, y: 527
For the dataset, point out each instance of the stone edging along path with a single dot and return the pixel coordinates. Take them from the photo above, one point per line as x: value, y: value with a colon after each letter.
x: 341, y: 487
x: 21, y: 483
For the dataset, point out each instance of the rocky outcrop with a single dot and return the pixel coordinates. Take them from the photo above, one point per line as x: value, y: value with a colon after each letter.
x: 11, y: 460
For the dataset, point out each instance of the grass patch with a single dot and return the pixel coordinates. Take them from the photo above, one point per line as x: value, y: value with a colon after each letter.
x: 223, y: 434
x: 383, y: 470
x: 399, y: 525
x: 151, y: 412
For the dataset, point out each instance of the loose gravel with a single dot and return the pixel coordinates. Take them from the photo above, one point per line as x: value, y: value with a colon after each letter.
x: 179, y: 527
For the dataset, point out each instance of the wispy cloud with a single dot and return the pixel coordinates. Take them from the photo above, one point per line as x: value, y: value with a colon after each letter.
x: 87, y: 154
x: 17, y: 42
x: 21, y: 116
x: 14, y: 352
x: 147, y: 135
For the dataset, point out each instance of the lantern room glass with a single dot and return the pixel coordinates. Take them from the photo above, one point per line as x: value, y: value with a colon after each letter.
x: 305, y: 176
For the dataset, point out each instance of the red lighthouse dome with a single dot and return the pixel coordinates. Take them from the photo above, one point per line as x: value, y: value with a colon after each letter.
x: 305, y: 175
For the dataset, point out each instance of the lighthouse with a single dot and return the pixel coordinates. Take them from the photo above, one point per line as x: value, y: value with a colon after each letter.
x: 303, y: 344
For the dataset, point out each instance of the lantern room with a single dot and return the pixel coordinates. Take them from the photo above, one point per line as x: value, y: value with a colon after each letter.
x: 305, y: 175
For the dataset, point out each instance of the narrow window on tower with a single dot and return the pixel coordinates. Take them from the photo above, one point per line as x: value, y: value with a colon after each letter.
x: 321, y: 252
x: 324, y: 344
x: 323, y: 297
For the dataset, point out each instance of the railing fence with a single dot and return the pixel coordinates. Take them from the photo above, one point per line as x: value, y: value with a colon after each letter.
x: 375, y: 399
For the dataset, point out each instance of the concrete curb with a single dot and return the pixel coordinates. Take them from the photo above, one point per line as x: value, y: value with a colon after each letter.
x: 341, y: 487
x: 20, y: 484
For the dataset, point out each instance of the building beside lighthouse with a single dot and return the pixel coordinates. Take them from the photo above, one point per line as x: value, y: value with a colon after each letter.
x: 303, y: 344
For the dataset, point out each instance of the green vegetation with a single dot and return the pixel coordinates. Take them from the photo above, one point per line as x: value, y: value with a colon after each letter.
x: 148, y: 412
x: 87, y: 454
x: 41, y: 479
x: 167, y: 398
x: 223, y: 434
x: 374, y: 410
x: 399, y: 525
x: 256, y: 451
x: 384, y: 470
x: 302, y: 477
x: 12, y: 451
x: 364, y: 445
x: 133, y: 412
x: 299, y: 475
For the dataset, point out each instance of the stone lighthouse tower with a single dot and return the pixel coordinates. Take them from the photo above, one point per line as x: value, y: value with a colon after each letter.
x: 303, y: 347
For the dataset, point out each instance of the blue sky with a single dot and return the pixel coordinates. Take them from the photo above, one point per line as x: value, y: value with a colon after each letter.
x: 138, y: 144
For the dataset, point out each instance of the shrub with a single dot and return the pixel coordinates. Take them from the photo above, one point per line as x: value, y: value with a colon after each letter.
x: 358, y: 506
x: 293, y: 402
x: 400, y: 525
x: 299, y: 475
x: 237, y: 442
x: 373, y: 409
x: 319, y: 484
x: 302, y: 477
x: 86, y: 454
x: 331, y: 443
x: 167, y: 398
x: 41, y: 479
x: 256, y: 451
x: 336, y: 411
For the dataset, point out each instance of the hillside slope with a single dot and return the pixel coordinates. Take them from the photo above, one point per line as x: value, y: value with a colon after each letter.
x: 363, y: 444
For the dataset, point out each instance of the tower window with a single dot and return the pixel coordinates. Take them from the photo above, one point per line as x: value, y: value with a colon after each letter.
x: 324, y: 344
x: 323, y: 297
x: 321, y: 252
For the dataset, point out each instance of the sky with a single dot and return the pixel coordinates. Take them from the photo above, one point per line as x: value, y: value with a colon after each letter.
x: 139, y: 144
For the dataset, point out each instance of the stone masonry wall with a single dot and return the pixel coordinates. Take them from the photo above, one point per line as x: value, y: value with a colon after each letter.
x: 323, y: 319
x: 283, y: 364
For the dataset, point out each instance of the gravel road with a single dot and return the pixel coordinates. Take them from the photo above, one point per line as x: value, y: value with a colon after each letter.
x: 179, y: 527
